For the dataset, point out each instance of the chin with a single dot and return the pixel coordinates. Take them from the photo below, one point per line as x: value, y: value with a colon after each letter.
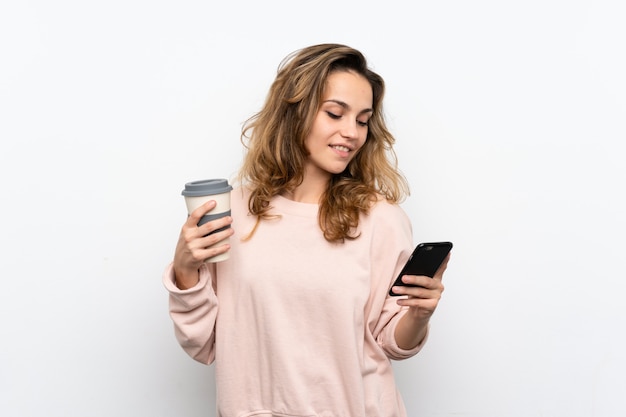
x: 338, y: 170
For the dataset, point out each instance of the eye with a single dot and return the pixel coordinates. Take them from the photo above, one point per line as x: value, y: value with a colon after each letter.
x: 333, y: 115
x: 363, y: 124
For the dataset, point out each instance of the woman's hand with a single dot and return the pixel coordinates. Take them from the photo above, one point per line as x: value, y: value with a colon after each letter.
x: 422, y: 300
x: 195, y: 244
x: 424, y: 296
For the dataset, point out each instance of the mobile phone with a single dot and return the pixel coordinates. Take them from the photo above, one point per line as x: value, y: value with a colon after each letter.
x: 425, y: 260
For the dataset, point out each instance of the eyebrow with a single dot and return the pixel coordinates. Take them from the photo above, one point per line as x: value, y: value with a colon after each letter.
x: 347, y: 106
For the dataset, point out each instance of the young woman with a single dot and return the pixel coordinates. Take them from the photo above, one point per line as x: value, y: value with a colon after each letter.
x: 298, y: 320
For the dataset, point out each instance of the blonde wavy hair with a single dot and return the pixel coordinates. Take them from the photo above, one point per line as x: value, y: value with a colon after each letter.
x: 275, y: 142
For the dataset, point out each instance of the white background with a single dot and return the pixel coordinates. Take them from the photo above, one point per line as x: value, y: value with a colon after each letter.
x: 510, y: 121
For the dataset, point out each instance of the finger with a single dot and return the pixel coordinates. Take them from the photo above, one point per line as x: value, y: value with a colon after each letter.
x: 211, y: 251
x: 418, y: 280
x: 200, y: 247
x: 424, y: 292
x: 426, y: 305
x: 410, y: 283
x: 214, y: 244
x: 415, y: 292
x: 194, y: 217
x: 215, y: 226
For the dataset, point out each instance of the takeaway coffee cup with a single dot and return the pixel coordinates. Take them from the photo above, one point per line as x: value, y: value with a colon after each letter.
x: 199, y: 192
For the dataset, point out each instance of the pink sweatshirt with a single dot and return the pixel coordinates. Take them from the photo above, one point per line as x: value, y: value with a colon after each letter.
x: 298, y: 326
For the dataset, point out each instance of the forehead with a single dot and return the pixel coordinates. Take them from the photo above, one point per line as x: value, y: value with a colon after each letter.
x: 349, y: 87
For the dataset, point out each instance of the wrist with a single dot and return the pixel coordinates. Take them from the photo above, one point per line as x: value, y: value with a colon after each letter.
x: 411, y: 330
x: 185, y: 279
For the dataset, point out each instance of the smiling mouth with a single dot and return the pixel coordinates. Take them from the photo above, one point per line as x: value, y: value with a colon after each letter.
x: 341, y: 148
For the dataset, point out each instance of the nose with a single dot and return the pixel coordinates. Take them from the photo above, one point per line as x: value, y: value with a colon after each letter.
x: 349, y: 129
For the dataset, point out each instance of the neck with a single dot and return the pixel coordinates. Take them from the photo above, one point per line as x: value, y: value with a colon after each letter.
x: 310, y: 191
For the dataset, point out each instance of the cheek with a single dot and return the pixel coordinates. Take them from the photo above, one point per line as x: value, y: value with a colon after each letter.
x: 363, y: 145
x: 363, y: 141
x: 317, y: 139
x: 311, y: 142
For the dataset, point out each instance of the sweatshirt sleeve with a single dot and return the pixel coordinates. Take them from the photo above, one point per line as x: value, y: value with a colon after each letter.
x: 387, y: 337
x: 392, y: 244
x: 193, y: 312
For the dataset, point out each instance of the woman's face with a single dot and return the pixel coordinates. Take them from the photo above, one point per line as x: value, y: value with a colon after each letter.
x: 340, y: 127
